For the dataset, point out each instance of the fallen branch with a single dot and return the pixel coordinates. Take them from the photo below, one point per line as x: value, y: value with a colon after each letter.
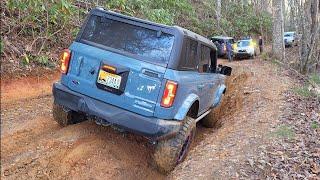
x: 46, y: 38
x: 11, y: 47
x: 253, y: 91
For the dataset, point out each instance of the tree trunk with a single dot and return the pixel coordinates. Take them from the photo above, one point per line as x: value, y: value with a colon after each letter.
x: 218, y: 11
x: 278, y: 50
x: 310, y: 37
x: 244, y: 3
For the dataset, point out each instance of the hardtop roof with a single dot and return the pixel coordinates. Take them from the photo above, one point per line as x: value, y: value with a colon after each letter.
x: 222, y: 37
x: 182, y: 31
x: 289, y: 32
x: 193, y: 35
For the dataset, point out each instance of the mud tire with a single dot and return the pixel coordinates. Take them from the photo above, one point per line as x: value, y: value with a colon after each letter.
x: 171, y: 152
x: 65, y: 117
x: 212, y: 120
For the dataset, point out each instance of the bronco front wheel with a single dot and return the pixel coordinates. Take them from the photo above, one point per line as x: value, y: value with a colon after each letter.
x: 171, y: 152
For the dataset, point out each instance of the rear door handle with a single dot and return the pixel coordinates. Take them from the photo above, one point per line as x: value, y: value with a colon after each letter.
x: 80, y: 63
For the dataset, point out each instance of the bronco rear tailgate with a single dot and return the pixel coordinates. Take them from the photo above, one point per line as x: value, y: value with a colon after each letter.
x: 142, y: 84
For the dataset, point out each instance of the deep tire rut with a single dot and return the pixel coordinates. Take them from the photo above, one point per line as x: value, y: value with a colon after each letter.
x: 34, y: 146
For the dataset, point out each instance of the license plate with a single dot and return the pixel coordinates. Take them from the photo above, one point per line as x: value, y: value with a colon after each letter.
x: 108, y: 79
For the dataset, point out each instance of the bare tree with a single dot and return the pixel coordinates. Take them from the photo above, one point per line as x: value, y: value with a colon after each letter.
x: 218, y: 11
x: 278, y: 50
x: 309, y: 55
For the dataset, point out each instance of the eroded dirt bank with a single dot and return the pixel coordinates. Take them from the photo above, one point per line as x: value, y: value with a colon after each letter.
x: 34, y: 146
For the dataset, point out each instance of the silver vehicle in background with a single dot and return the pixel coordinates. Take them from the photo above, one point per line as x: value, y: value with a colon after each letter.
x: 290, y: 39
x: 246, y: 49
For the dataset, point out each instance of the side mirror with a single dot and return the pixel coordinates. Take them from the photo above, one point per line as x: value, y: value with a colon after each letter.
x: 225, y: 70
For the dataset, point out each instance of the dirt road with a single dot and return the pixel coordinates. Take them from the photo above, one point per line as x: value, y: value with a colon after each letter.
x: 34, y: 146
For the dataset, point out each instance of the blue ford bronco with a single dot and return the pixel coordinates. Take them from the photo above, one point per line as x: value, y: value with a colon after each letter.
x: 151, y: 79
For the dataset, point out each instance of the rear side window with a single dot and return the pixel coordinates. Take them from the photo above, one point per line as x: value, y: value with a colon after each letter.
x: 220, y: 41
x: 154, y: 46
x: 205, y: 59
x: 189, y: 62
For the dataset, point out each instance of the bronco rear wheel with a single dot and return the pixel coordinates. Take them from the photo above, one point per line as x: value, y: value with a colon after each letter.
x: 172, y: 152
x: 65, y: 116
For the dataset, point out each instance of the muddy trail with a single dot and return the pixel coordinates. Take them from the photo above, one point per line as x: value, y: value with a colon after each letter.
x: 33, y: 146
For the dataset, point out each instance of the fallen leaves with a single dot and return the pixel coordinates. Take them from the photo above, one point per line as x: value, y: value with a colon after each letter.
x: 294, y: 151
x: 315, y: 168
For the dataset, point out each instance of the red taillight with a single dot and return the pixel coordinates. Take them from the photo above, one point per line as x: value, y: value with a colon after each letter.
x: 169, y: 94
x: 65, y: 59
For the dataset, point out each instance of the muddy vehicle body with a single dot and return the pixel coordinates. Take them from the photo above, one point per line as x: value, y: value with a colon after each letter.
x: 144, y: 77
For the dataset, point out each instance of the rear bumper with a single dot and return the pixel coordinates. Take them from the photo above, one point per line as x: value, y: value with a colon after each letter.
x: 222, y: 53
x: 151, y: 127
x: 288, y: 43
x: 242, y: 54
